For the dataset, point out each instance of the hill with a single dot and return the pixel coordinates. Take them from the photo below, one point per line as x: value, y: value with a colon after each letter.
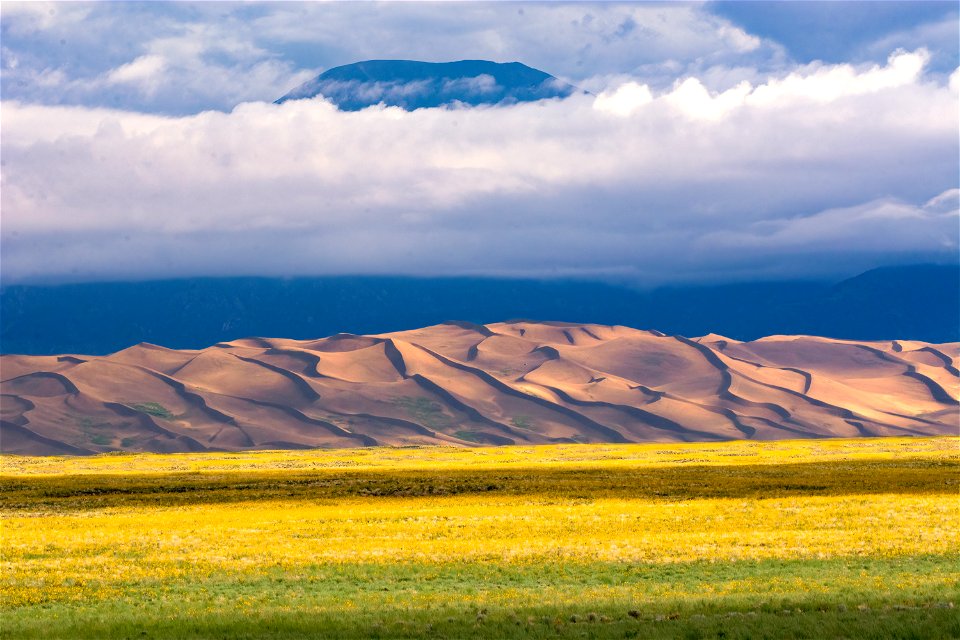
x: 465, y: 384
x: 411, y: 85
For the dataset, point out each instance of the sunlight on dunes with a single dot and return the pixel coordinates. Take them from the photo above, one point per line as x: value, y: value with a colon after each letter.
x: 521, y: 383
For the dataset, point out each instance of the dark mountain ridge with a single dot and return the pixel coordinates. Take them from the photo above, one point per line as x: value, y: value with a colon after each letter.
x: 908, y: 303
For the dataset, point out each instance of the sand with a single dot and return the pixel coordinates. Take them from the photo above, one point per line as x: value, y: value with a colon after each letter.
x: 464, y: 384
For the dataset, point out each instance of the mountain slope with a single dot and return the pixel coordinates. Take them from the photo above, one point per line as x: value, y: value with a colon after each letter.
x: 465, y: 384
x: 917, y: 303
x: 417, y: 85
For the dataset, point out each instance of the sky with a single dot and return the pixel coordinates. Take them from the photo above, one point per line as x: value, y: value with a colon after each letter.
x: 720, y: 141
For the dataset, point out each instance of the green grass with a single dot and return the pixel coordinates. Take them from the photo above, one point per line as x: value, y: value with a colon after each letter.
x: 425, y: 411
x: 154, y: 409
x: 470, y: 436
x: 522, y: 422
x: 117, y: 622
x: 693, y: 600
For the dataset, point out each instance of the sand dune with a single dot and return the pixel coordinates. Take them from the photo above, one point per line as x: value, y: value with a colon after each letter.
x: 465, y: 384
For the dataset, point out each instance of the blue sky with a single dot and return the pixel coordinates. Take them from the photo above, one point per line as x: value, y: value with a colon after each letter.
x: 725, y: 141
x: 845, y: 31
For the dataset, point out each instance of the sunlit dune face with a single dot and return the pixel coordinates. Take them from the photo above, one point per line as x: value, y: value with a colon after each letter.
x: 460, y: 384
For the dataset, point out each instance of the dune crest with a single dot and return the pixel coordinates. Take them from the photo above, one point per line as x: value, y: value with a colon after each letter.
x: 464, y: 384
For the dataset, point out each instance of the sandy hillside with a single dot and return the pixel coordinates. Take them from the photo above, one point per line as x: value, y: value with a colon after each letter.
x: 462, y: 384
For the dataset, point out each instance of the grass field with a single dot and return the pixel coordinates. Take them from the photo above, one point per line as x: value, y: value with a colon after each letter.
x: 815, y: 538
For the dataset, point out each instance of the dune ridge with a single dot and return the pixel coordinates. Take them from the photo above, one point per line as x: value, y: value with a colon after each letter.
x: 464, y: 384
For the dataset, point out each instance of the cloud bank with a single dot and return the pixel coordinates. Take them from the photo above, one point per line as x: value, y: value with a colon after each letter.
x: 825, y: 170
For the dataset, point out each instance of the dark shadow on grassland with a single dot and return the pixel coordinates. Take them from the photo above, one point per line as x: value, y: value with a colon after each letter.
x: 852, y: 597
x: 920, y: 623
x: 682, y: 482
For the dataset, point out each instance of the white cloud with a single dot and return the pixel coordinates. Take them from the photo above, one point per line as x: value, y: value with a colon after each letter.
x: 625, y: 99
x: 483, y: 84
x: 739, y: 40
x: 666, y: 184
x: 693, y: 99
x: 573, y: 40
x: 939, y: 37
x: 815, y: 83
x: 150, y: 57
x: 146, y: 73
x: 830, y: 82
x: 947, y: 202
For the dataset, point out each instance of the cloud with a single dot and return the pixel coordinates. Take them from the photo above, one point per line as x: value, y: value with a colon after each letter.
x: 625, y: 99
x: 812, y: 83
x: 220, y: 54
x: 139, y: 56
x: 654, y: 185
x: 29, y: 18
x: 857, y: 32
x: 937, y: 36
x: 877, y: 227
x: 827, y: 83
x: 481, y: 85
x: 206, y: 56
x: 366, y: 92
x: 145, y: 72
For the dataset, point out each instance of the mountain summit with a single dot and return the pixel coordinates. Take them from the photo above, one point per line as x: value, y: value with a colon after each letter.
x: 417, y: 85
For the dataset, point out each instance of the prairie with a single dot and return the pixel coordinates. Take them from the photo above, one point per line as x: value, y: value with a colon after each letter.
x: 804, y: 538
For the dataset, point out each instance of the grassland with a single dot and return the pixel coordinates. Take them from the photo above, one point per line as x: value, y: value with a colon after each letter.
x: 815, y: 538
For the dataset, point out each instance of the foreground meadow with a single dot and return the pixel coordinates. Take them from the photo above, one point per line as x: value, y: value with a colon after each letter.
x: 814, y: 538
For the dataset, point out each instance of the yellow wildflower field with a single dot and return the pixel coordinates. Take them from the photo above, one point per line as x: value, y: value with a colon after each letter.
x: 401, y: 534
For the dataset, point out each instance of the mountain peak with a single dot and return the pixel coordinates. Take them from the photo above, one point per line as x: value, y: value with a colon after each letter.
x: 411, y: 84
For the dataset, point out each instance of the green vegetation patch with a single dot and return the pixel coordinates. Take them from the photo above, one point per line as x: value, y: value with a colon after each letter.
x: 424, y: 411
x: 841, y: 597
x: 522, y: 422
x: 154, y: 409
